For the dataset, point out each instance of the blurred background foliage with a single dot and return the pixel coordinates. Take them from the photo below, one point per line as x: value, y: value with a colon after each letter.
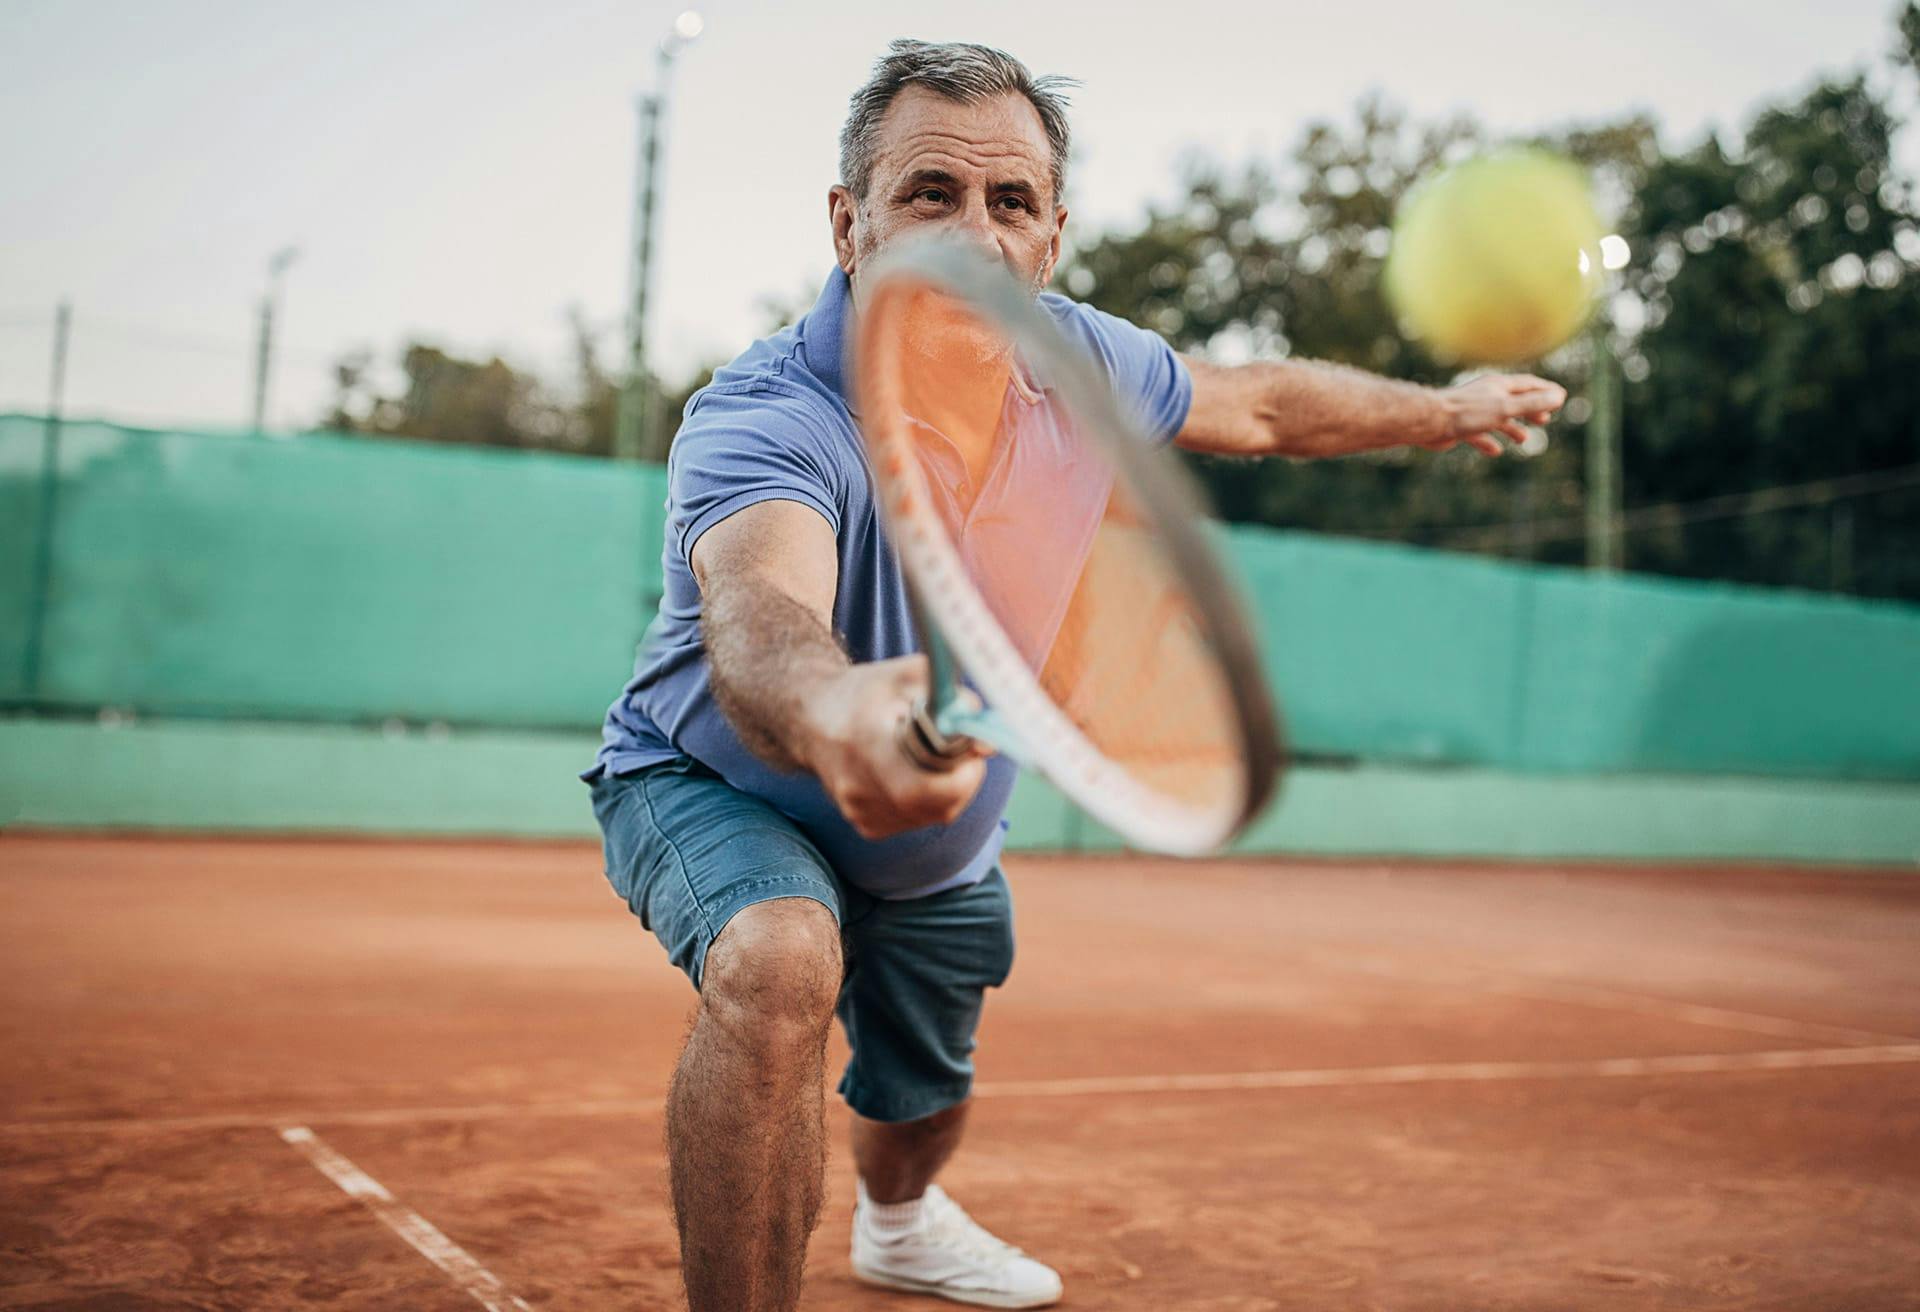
x: 444, y: 398
x: 1767, y: 330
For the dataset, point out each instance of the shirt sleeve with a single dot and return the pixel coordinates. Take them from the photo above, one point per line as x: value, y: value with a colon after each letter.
x: 736, y: 450
x: 1147, y: 375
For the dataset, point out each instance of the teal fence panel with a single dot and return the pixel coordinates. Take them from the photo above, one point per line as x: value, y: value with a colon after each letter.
x: 328, y: 578
x: 337, y: 578
x: 1631, y: 673
x: 1387, y: 653
x: 1383, y: 652
x: 21, y: 524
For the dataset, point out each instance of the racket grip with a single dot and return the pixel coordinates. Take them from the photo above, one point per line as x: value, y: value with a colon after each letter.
x: 921, y: 739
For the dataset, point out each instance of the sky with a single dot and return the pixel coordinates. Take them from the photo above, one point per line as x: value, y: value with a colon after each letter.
x: 463, y: 173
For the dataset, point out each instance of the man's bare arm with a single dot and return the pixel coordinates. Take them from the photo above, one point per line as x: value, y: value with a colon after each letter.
x: 1307, y: 409
x: 767, y: 578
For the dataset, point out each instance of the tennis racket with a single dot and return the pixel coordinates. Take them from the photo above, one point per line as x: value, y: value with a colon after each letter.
x: 1073, y: 614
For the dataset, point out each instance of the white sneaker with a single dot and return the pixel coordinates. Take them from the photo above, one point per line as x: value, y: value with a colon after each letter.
x: 953, y: 1257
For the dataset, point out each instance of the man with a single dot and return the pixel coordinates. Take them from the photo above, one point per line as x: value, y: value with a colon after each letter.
x: 759, y: 814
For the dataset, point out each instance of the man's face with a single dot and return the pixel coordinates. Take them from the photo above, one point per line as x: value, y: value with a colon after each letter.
x: 979, y: 172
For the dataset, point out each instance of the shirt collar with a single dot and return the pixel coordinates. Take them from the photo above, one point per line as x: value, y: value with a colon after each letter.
x: 824, y: 342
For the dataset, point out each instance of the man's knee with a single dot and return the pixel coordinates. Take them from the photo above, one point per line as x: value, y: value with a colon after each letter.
x: 772, y: 976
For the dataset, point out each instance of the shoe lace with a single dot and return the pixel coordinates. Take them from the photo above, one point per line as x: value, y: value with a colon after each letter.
x: 950, y: 1226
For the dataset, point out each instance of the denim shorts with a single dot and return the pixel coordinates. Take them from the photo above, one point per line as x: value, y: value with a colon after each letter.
x: 687, y: 851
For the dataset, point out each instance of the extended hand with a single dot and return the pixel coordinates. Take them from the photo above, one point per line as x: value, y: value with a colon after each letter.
x: 853, y: 745
x: 1496, y: 404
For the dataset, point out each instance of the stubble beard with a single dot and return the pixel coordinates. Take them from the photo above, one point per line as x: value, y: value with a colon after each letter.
x: 868, y: 246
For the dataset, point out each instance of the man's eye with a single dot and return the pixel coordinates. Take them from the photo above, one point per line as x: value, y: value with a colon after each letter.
x: 1013, y: 202
x: 930, y: 193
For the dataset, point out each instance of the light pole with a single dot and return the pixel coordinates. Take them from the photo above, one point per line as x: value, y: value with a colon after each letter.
x: 33, y: 652
x: 1603, y: 425
x: 263, y: 358
x: 633, y: 436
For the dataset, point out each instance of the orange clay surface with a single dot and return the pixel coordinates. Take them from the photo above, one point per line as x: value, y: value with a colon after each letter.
x: 1222, y: 1087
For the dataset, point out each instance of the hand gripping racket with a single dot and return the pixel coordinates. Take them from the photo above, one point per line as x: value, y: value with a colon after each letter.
x: 1073, y: 614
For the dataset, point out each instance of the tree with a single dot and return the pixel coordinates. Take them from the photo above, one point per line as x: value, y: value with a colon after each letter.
x: 1287, y: 262
x: 1781, y: 346
x: 1767, y: 327
x: 446, y: 398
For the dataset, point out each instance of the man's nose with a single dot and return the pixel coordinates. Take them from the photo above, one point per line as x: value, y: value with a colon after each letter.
x: 976, y: 228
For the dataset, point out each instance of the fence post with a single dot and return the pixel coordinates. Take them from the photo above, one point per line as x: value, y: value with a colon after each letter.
x: 1603, y: 451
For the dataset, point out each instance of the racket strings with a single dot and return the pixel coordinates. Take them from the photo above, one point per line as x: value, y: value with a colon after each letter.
x: 1136, y: 673
x: 974, y: 450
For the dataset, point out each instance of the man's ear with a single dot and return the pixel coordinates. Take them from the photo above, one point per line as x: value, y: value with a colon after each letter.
x: 1053, y: 247
x: 841, y: 213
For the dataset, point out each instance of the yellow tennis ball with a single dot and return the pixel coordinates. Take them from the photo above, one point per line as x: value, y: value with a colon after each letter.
x: 1496, y: 260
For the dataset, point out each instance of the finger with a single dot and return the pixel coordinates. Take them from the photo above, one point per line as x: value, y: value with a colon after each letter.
x: 1540, y: 418
x: 928, y: 799
x: 1516, y: 431
x: 939, y: 799
x: 965, y: 786
x: 873, y: 826
x: 959, y: 749
x: 957, y: 787
x: 1486, y: 444
x: 871, y: 815
x: 910, y: 673
x: 908, y: 785
x: 1537, y: 400
x: 921, y: 742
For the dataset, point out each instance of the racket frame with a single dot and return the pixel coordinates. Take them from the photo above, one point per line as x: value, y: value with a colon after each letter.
x: 958, y: 629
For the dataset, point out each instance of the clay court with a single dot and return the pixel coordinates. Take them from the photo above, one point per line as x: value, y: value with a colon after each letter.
x: 1234, y: 1085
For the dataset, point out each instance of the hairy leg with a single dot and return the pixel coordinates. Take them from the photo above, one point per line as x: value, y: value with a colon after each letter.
x: 898, y: 1160
x: 803, y: 1163
x: 745, y: 1140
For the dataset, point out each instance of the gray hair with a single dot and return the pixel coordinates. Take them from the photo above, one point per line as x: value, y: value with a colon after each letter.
x: 958, y: 70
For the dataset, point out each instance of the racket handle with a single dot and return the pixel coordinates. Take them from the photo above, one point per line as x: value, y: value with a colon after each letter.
x: 924, y: 744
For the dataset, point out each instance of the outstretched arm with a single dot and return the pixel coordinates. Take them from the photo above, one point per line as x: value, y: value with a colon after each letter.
x: 767, y: 577
x: 1308, y: 409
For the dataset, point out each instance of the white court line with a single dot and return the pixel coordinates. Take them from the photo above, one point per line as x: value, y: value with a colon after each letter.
x: 1592, y: 995
x: 1333, y: 1077
x: 480, y: 1284
x: 1696, y: 1014
x: 485, y: 1111
x: 1456, y: 1072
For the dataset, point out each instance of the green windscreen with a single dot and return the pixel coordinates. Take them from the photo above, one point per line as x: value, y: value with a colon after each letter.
x: 337, y: 579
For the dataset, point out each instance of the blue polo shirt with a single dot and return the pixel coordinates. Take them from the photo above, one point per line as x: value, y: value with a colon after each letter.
x: 776, y: 425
